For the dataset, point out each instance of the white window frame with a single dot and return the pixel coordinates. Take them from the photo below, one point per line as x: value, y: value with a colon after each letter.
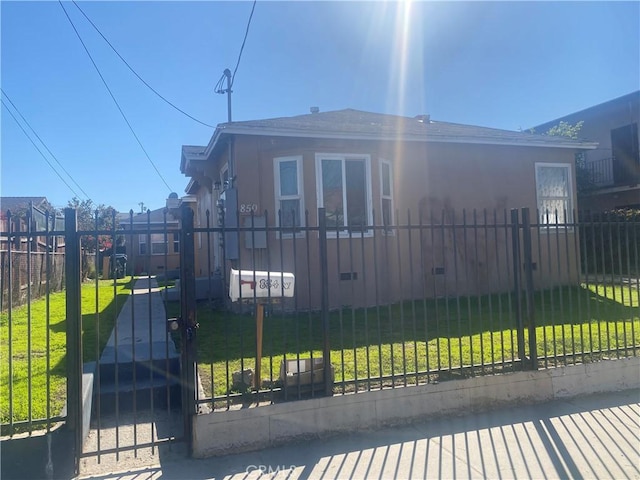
x: 343, y: 157
x: 389, y: 230
x: 545, y: 221
x: 300, y: 196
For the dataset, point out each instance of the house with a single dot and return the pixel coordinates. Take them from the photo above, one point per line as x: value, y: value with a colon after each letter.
x: 360, y: 166
x: 37, y: 208
x: 153, y: 241
x: 614, y: 167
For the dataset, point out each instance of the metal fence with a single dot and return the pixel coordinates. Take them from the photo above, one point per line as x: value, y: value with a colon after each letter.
x: 448, y: 295
x: 441, y: 296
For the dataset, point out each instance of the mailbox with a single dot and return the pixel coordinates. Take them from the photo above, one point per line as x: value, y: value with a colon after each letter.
x: 255, y: 284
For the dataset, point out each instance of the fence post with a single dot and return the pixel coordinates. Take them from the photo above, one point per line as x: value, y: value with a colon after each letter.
x: 517, y: 282
x: 324, y: 302
x: 528, y: 287
x: 74, y: 331
x: 189, y: 323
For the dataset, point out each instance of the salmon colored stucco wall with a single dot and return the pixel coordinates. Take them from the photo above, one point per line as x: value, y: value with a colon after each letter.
x: 434, y: 177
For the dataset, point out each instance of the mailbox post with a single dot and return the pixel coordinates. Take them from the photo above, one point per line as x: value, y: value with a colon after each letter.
x: 259, y: 287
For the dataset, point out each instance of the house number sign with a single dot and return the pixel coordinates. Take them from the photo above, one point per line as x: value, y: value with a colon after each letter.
x: 248, y: 208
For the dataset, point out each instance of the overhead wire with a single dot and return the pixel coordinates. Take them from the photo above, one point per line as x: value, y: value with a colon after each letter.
x: 244, y: 40
x: 44, y: 144
x: 113, y: 96
x: 36, y: 147
x: 136, y: 73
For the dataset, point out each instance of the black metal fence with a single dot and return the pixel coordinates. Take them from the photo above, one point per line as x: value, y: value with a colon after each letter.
x: 444, y: 295
x: 448, y: 295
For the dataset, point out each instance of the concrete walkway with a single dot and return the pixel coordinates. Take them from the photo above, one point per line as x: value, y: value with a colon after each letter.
x: 140, y: 369
x: 594, y: 436
x: 141, y: 324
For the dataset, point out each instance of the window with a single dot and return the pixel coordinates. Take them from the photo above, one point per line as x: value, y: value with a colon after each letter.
x: 386, y: 193
x: 554, y: 193
x: 176, y: 242
x: 626, y: 158
x: 289, y: 191
x: 158, y: 244
x: 344, y: 190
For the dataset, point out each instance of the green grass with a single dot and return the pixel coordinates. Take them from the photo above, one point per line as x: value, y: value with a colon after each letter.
x: 421, y: 336
x: 38, y: 346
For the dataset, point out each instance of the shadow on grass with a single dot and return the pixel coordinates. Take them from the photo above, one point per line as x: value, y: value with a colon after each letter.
x: 96, y: 326
x: 227, y: 336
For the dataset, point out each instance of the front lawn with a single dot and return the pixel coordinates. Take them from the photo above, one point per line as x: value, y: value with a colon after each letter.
x: 32, y: 347
x: 406, y: 340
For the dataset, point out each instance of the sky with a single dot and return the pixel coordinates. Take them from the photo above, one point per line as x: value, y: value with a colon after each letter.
x: 506, y: 65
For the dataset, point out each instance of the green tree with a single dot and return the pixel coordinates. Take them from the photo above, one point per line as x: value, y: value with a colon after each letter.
x: 565, y: 129
x: 87, y: 212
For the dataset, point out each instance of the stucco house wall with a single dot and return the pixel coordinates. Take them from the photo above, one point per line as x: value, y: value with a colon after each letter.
x: 438, y: 179
x: 148, y: 228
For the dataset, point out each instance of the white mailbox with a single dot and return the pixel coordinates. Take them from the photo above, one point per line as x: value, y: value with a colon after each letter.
x: 260, y: 284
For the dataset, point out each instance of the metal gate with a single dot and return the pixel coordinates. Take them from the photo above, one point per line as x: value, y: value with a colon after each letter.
x: 143, y: 397
x: 129, y: 389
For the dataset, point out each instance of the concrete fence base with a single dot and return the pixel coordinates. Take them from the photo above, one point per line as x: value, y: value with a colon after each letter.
x: 234, y: 431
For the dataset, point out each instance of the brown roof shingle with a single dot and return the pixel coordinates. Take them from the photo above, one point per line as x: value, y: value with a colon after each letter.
x: 358, y: 124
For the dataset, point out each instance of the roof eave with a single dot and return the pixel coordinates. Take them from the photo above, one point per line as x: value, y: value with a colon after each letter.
x: 187, y: 158
x: 236, y: 130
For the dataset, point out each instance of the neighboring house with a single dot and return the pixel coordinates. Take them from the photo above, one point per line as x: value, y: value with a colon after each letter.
x: 38, y: 207
x: 614, y: 167
x: 353, y: 163
x: 149, y: 247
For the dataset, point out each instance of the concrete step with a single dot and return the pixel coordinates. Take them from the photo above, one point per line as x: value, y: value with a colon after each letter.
x: 126, y: 372
x: 150, y: 362
x: 164, y: 392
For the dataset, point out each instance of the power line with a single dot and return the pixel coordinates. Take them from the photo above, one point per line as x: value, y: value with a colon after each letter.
x: 36, y: 147
x: 113, y: 97
x: 135, y: 73
x: 246, y: 33
x: 219, y: 88
x: 44, y: 144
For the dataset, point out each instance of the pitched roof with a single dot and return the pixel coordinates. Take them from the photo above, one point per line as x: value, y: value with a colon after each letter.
x: 349, y: 124
x: 11, y: 203
x: 358, y: 124
x: 156, y: 217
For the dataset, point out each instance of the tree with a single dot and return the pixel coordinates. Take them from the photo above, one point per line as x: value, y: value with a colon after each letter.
x: 565, y: 129
x: 583, y: 178
x: 87, y: 213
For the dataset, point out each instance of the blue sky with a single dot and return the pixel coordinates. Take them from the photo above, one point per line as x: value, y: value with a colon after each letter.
x: 504, y: 65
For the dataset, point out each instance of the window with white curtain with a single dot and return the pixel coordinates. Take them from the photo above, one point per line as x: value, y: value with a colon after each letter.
x: 554, y: 191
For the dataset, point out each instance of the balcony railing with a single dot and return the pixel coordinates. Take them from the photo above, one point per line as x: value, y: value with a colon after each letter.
x: 613, y: 172
x: 601, y: 172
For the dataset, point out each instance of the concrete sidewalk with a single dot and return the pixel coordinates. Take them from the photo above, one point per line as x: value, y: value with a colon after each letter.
x: 594, y: 436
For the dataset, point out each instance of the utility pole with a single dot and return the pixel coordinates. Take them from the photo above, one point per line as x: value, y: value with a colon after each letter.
x: 227, y: 74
